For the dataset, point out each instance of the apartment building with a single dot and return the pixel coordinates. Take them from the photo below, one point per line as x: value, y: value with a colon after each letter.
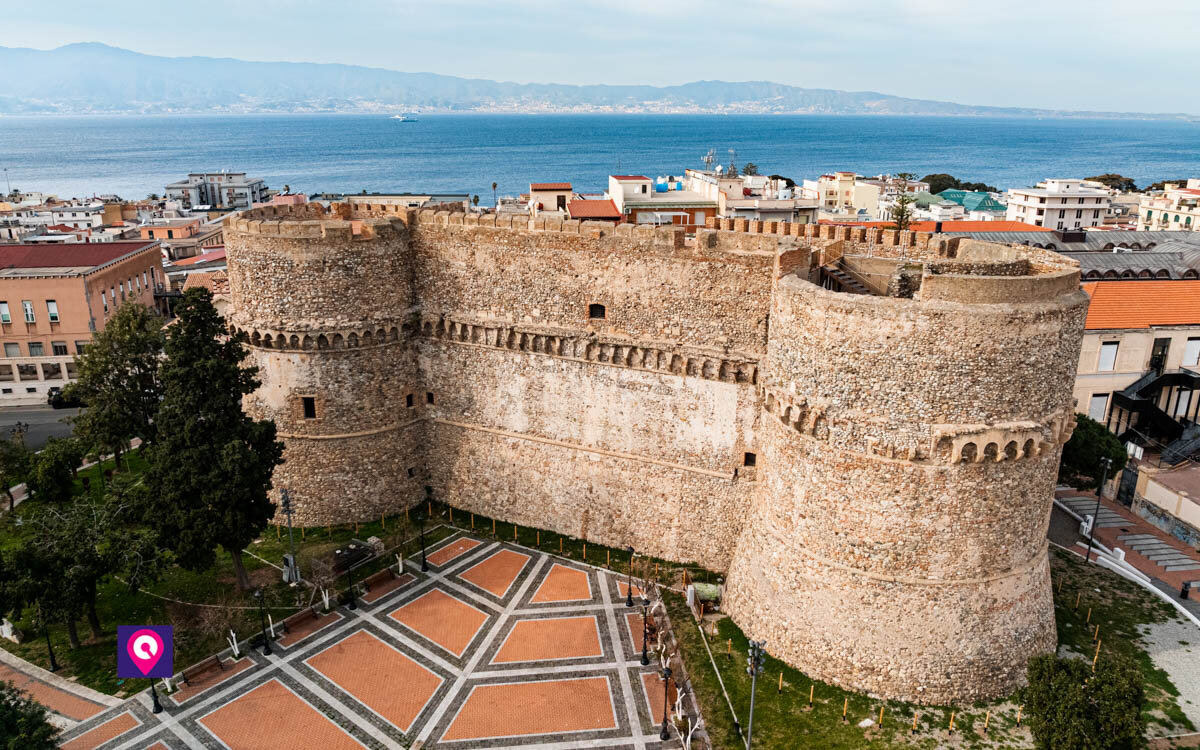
x: 54, y: 298
x: 641, y: 200
x: 223, y: 190
x: 755, y: 197
x: 1177, y: 208
x: 1060, y: 204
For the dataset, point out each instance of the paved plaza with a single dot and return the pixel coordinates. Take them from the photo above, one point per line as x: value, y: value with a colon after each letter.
x: 496, y: 646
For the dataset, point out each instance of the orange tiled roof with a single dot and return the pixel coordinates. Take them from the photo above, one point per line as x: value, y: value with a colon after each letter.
x: 549, y: 186
x: 593, y: 209
x: 1142, y: 304
x: 629, y: 177
x: 216, y: 282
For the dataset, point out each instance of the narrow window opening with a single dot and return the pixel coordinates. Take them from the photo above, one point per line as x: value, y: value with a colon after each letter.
x: 429, y: 397
x: 411, y: 473
x: 596, y: 312
x: 310, y: 407
x: 749, y: 459
x: 408, y: 401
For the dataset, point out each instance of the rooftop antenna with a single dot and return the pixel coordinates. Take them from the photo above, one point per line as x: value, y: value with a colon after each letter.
x: 709, y: 158
x: 733, y: 163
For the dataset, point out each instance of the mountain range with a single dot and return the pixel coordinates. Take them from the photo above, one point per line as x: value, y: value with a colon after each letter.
x: 91, y: 77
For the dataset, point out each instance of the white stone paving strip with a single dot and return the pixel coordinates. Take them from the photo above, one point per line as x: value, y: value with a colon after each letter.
x: 440, y: 711
x: 639, y: 740
x: 615, y: 634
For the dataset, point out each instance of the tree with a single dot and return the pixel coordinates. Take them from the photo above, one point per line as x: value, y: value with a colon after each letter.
x: 902, y: 212
x: 750, y: 168
x: 495, y: 202
x: 1089, y: 444
x: 942, y: 181
x: 1070, y: 708
x: 1115, y: 181
x: 1161, y: 184
x: 474, y: 200
x: 210, y: 467
x: 24, y: 723
x: 52, y: 471
x: 118, y: 380
x: 15, y: 462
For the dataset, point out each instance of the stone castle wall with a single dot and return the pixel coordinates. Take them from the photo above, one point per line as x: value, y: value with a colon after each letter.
x: 890, y: 535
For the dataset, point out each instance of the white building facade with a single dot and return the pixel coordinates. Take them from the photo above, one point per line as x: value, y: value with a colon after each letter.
x: 1059, y: 204
x: 217, y: 190
x: 1177, y: 208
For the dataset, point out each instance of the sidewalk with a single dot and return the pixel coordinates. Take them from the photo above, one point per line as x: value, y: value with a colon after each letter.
x: 1165, y: 559
x: 71, y: 703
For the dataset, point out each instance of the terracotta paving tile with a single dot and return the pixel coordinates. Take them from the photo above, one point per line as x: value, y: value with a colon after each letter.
x: 270, y: 717
x: 623, y: 587
x: 380, y: 590
x: 451, y: 551
x: 496, y: 574
x: 563, y: 584
x: 550, y: 706
x: 297, y: 633
x: 60, y: 701
x: 158, y: 746
x: 114, y: 727
x: 552, y: 638
x: 633, y: 623
x: 208, y: 679
x: 443, y: 619
x: 652, y: 685
x: 382, y: 678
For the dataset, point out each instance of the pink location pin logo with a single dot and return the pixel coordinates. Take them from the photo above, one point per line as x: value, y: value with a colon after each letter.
x: 145, y: 648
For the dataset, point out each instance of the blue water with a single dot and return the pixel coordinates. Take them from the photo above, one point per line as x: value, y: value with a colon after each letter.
x: 133, y: 156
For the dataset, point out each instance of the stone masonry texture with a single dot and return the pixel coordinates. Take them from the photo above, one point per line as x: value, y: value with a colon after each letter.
x: 874, y: 473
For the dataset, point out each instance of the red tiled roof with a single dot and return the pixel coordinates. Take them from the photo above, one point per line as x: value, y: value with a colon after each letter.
x: 593, y: 209
x: 216, y: 282
x: 629, y: 177
x: 60, y: 228
x: 214, y: 254
x: 952, y: 226
x: 1141, y: 304
x: 549, y: 186
x: 60, y: 256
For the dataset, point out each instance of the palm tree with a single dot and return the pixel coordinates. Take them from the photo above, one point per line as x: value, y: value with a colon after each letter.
x: 475, y: 200
x: 494, y: 202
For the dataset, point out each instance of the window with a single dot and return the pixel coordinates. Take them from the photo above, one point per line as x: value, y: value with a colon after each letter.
x: 596, y: 312
x: 1191, y: 352
x: 28, y: 307
x: 1108, y: 357
x: 31, y: 389
x: 80, y: 346
x: 1079, y: 214
x: 36, y: 349
x: 1098, y: 406
x: 749, y: 459
x: 310, y: 407
x: 411, y: 472
x: 1182, y: 403
x: 428, y: 397
x: 52, y: 310
x: 59, y: 348
x: 5, y: 316
x: 408, y: 401
x: 12, y: 350
x: 5, y: 390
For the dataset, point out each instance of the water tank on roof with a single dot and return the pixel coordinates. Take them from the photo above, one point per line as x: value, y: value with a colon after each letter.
x: 660, y: 187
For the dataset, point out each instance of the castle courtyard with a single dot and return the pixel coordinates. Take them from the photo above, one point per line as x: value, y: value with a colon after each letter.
x: 495, y: 646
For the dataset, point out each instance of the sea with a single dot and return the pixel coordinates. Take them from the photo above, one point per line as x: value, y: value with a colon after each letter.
x: 133, y: 156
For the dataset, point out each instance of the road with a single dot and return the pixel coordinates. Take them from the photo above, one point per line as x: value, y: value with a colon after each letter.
x: 44, y: 423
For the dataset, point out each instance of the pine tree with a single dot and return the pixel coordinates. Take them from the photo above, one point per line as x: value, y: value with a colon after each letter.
x: 24, y: 724
x: 210, y: 467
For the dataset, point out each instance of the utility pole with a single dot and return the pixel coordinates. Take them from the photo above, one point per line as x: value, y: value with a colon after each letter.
x: 290, y: 570
x: 1107, y: 462
x: 754, y: 668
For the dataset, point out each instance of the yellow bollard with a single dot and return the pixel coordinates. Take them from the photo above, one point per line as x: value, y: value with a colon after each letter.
x: 472, y: 522
x: 276, y: 532
x: 986, y: 718
x: 1096, y: 658
x: 585, y: 551
x: 729, y: 647
x: 451, y: 516
x: 810, y: 694
x: 608, y: 559
x: 1019, y: 715
x: 428, y: 508
x: 656, y: 570
x: 1060, y: 583
x: 560, y: 545
x: 1077, y: 598
x: 356, y: 528
x: 951, y: 721
x: 845, y: 708
x: 302, y: 533
x: 493, y: 527
x: 406, y: 516
x: 881, y: 716
x: 914, y: 729
x: 1089, y: 617
x: 780, y: 682
x: 514, y: 532
x: 383, y: 521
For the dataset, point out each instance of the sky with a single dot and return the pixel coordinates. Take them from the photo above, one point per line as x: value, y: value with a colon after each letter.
x: 1056, y: 54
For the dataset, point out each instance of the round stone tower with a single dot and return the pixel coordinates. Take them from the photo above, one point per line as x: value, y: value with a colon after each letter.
x: 909, y: 444
x: 323, y: 298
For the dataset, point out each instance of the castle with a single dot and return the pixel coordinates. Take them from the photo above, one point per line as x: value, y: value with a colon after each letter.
x: 873, y: 470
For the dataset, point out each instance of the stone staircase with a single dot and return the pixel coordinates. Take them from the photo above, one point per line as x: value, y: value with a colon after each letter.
x: 1149, y: 546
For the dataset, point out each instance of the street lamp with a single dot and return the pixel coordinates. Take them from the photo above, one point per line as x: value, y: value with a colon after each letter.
x: 754, y: 668
x: 629, y: 582
x: 262, y: 619
x: 664, y: 734
x: 154, y: 697
x: 424, y: 564
x: 645, y: 630
x: 350, y: 584
x: 46, y: 630
x: 1107, y: 462
x: 293, y: 573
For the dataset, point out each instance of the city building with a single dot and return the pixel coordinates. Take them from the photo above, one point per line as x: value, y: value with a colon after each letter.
x: 217, y: 283
x: 170, y: 229
x: 1176, y: 208
x: 642, y: 200
x: 755, y: 197
x: 1059, y: 204
x: 52, y: 299
x: 217, y: 190
x: 549, y: 197
x: 593, y: 209
x: 977, y: 206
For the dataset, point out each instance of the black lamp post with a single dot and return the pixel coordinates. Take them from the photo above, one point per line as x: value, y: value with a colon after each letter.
x: 754, y: 667
x: 424, y: 564
x: 645, y: 630
x: 665, y: 734
x: 350, y: 584
x: 46, y: 630
x: 286, y: 506
x: 154, y: 697
x: 629, y: 582
x: 262, y: 619
x: 1096, y: 516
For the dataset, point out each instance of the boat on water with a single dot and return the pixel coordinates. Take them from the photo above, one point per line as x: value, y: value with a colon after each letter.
x: 405, y: 118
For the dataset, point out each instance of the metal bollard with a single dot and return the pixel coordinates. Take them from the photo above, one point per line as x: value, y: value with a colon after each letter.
x: 1184, y: 593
